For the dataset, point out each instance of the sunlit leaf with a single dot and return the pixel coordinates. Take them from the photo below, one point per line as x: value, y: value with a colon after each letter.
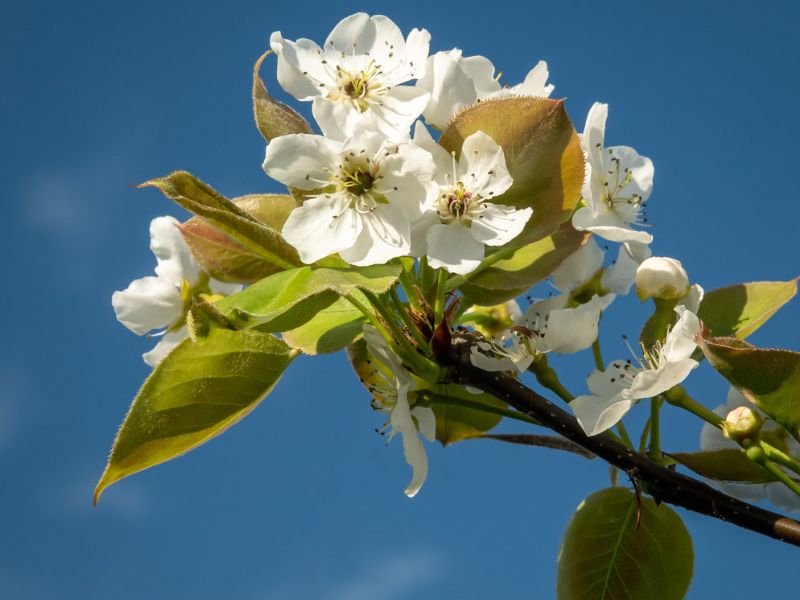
x: 738, y: 310
x: 330, y: 330
x: 605, y: 556
x: 197, y: 392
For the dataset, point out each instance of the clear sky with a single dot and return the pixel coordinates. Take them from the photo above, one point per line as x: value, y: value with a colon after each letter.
x: 302, y: 499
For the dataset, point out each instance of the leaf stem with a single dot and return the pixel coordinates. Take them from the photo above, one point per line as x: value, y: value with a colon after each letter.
x: 598, y: 355
x: 478, y: 406
x: 780, y: 457
x: 677, y: 396
x: 441, y: 290
x: 781, y: 476
x: 409, y: 285
x: 547, y: 377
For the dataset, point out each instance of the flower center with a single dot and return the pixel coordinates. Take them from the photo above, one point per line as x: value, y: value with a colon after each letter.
x: 361, y: 88
x: 357, y: 177
x: 455, y: 203
x: 615, y: 180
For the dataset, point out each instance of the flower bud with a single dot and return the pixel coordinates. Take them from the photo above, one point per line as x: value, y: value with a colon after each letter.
x: 661, y: 277
x: 741, y: 423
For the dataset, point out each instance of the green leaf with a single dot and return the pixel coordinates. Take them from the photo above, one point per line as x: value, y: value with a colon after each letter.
x: 542, y: 151
x: 768, y: 377
x: 273, y: 118
x: 288, y: 299
x: 330, y: 330
x: 605, y: 556
x: 455, y: 422
x: 201, y: 199
x: 513, y: 276
x: 227, y: 260
x: 197, y: 392
x: 738, y: 310
x: 723, y: 465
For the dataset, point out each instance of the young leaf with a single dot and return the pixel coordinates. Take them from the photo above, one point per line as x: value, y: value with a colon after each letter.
x: 542, y: 151
x: 197, y: 392
x: 738, y: 310
x: 605, y: 556
x: 330, y: 330
x: 508, y: 278
x: 226, y: 260
x: 768, y: 377
x: 203, y: 200
x: 273, y: 118
x: 723, y: 465
x: 288, y: 299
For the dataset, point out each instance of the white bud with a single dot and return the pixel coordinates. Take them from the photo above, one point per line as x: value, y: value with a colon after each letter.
x: 741, y: 423
x: 661, y: 277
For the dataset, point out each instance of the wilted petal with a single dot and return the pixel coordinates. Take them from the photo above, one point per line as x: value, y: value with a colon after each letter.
x: 147, y: 304
x: 164, y: 346
x: 175, y: 260
x: 453, y: 247
x: 323, y: 225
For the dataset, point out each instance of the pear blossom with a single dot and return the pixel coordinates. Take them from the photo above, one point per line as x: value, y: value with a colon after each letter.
x: 617, y: 185
x: 712, y: 438
x: 159, y: 303
x: 503, y: 353
x: 616, y: 390
x: 462, y: 217
x: 556, y: 327
x: 367, y: 193
x: 456, y: 82
x: 391, y: 395
x: 354, y: 80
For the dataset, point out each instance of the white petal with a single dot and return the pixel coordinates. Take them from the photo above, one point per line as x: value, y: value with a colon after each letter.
x: 482, y: 166
x: 222, y: 288
x: 397, y: 111
x: 570, y: 330
x: 450, y: 86
x: 579, y: 267
x: 175, y: 260
x: 453, y: 247
x: 324, y: 225
x: 744, y: 491
x: 608, y: 225
x: 354, y: 34
x: 426, y: 421
x: 412, y: 446
x: 419, y: 232
x: 490, y: 363
x: 385, y: 234
x: 652, y: 382
x: 301, y: 160
x: 405, y: 177
x: 481, y: 70
x: 594, y: 132
x: 337, y: 120
x: 616, y: 377
x: 694, y: 298
x: 641, y: 170
x: 164, y: 346
x: 498, y: 224
x: 418, y: 45
x: 300, y: 70
x: 535, y: 83
x: 680, y: 342
x: 596, y: 414
x: 148, y: 303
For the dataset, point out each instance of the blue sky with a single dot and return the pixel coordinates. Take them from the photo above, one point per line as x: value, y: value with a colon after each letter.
x: 302, y: 499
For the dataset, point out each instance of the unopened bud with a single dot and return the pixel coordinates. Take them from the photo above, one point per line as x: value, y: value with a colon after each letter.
x: 661, y: 277
x: 741, y: 423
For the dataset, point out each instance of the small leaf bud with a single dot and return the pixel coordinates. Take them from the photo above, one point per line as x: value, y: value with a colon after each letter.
x: 661, y: 277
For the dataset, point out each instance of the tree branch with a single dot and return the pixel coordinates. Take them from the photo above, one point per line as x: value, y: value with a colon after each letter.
x: 665, y: 485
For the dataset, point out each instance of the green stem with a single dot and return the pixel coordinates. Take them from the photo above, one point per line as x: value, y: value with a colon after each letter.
x: 547, y: 377
x: 778, y: 473
x: 677, y: 396
x: 441, y: 290
x: 479, y: 406
x: 370, y: 315
x: 409, y: 287
x: 780, y: 457
x: 654, y: 452
x: 458, y: 280
x: 422, y: 343
x: 425, y: 276
x: 623, y: 434
x: 598, y: 355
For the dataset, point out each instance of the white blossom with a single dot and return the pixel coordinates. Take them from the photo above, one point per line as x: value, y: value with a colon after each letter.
x: 456, y: 82
x: 661, y: 277
x: 712, y: 438
x: 160, y: 303
x: 462, y: 216
x: 617, y: 185
x: 367, y: 193
x: 616, y: 390
x: 354, y: 80
x: 392, y: 395
x: 555, y: 327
